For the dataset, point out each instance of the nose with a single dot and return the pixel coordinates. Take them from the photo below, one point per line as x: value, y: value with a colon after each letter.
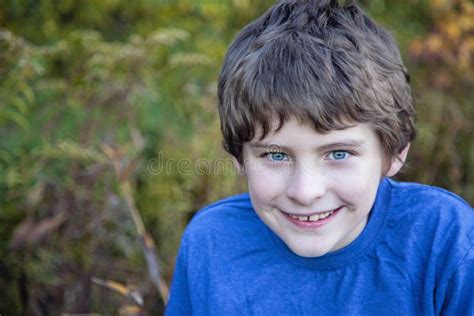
x: 306, y: 185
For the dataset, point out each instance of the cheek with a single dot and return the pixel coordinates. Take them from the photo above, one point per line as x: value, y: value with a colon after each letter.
x: 264, y: 189
x: 359, y: 186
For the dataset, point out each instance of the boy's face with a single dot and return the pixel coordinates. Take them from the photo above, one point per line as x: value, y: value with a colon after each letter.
x: 315, y: 191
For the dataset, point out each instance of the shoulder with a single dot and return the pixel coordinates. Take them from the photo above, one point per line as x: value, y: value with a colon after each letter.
x: 223, y: 231
x: 223, y: 212
x: 225, y: 218
x: 429, y: 200
x: 229, y: 206
x: 433, y: 219
x: 431, y: 208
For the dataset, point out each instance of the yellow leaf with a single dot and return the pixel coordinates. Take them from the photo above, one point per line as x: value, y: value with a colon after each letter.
x: 434, y: 43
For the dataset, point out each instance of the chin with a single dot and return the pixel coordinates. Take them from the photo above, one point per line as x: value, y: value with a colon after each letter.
x: 309, y: 252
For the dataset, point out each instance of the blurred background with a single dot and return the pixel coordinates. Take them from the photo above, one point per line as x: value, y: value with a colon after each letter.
x: 109, y: 136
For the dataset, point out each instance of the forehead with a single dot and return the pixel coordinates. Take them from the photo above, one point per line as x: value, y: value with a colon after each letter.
x: 293, y: 134
x: 294, y: 127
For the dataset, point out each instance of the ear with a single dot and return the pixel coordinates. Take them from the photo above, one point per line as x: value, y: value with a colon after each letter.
x: 398, y: 161
x: 238, y: 166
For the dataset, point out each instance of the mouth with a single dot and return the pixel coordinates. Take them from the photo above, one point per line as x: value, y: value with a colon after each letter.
x: 312, y: 220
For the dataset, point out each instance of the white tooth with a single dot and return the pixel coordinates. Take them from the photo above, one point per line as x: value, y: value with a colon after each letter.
x: 324, y: 215
x: 302, y: 218
x: 314, y: 217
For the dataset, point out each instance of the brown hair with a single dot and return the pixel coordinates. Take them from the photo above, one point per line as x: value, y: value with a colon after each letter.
x: 325, y: 64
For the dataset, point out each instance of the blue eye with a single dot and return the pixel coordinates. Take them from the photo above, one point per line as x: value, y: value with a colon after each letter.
x: 338, y: 155
x: 276, y: 156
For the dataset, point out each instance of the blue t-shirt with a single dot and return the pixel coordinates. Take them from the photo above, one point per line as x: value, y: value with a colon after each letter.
x: 414, y: 257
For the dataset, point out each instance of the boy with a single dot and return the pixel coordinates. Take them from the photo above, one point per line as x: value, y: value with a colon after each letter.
x: 316, y: 109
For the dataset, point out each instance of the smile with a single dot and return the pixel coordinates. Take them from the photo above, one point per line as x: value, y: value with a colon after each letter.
x: 314, y: 220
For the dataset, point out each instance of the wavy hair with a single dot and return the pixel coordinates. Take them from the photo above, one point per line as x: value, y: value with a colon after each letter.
x: 323, y: 63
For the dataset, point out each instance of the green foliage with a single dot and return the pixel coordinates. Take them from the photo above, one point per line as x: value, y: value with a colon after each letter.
x: 141, y: 77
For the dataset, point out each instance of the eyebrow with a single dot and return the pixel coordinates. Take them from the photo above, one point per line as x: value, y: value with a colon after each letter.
x: 350, y: 144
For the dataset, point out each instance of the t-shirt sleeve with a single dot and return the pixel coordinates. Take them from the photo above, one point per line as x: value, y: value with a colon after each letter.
x: 459, y: 293
x: 179, y: 302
